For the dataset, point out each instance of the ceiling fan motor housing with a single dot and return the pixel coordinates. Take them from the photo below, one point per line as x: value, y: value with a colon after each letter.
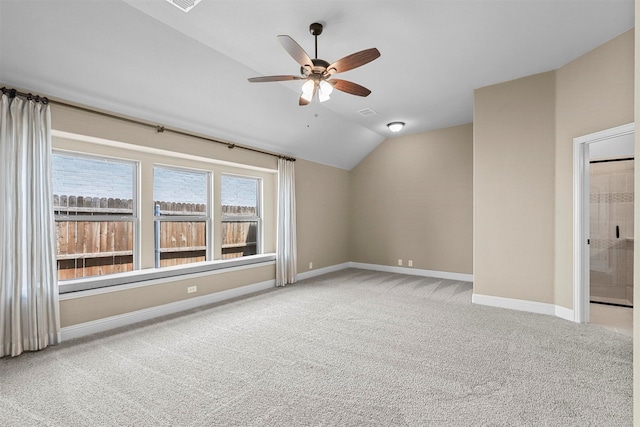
x: 319, y: 67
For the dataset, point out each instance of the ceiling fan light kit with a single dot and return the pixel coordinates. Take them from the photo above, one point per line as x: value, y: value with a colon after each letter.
x: 395, y: 126
x: 318, y: 73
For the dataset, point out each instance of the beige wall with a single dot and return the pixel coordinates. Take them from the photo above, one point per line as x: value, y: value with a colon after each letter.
x: 84, y: 123
x: 594, y: 92
x: 523, y: 188
x: 412, y: 199
x: 514, y: 146
x: 99, y: 306
x: 322, y: 212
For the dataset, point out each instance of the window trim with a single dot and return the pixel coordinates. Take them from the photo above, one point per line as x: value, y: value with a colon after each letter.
x: 118, y: 280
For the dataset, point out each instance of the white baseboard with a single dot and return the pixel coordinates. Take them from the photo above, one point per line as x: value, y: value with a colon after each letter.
x: 523, y: 305
x: 101, y: 325
x: 320, y: 271
x: 565, y: 313
x: 108, y: 323
x: 463, y: 277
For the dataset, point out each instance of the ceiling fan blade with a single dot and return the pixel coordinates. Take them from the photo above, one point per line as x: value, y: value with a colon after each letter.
x: 295, y: 51
x: 354, y: 60
x: 349, y: 87
x: 273, y: 79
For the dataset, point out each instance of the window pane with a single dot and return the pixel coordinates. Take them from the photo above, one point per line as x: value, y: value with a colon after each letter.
x: 92, y: 186
x: 240, y: 216
x: 100, y: 188
x: 239, y: 196
x: 239, y: 238
x: 182, y: 242
x: 180, y: 192
x: 93, y: 248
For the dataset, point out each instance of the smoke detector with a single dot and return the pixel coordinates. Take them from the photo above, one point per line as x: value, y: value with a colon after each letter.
x: 184, y: 5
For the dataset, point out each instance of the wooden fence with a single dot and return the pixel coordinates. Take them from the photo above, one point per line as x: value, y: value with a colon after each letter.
x: 92, y: 248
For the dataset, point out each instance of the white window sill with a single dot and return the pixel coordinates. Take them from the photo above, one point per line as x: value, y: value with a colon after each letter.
x: 157, y: 275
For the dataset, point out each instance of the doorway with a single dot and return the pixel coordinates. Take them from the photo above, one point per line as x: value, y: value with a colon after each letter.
x: 603, y: 249
x: 611, y: 226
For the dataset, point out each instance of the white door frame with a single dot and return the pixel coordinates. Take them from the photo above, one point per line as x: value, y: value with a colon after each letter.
x: 581, y: 215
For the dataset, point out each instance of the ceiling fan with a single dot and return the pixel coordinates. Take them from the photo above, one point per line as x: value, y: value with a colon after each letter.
x: 318, y: 73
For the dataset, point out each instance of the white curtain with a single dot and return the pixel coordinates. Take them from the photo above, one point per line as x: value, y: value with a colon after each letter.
x: 29, y: 313
x: 286, y: 249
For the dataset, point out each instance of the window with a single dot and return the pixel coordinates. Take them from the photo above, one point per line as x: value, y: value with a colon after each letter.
x: 182, y: 216
x: 154, y: 214
x: 95, y: 215
x: 241, y: 216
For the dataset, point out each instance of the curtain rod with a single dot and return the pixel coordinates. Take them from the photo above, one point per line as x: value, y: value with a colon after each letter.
x: 31, y: 97
x: 159, y: 129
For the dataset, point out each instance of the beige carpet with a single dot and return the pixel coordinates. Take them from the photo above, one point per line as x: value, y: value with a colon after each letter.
x: 352, y: 348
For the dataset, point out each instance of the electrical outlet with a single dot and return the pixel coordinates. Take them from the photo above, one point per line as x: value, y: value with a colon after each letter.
x: 410, y: 263
x: 311, y: 266
x: 192, y: 289
x: 399, y: 261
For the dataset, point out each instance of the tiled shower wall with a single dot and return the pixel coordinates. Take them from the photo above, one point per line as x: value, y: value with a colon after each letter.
x: 611, y: 256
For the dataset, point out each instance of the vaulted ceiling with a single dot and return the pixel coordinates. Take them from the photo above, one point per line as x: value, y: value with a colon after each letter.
x: 151, y: 60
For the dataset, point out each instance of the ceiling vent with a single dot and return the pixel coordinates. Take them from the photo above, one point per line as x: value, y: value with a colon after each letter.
x: 367, y: 112
x: 184, y: 5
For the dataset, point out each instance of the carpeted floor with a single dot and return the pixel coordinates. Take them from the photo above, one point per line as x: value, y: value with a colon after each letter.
x: 352, y: 348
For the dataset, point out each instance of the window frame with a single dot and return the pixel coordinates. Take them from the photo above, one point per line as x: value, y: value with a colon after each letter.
x: 207, y: 218
x: 134, y: 218
x: 258, y: 218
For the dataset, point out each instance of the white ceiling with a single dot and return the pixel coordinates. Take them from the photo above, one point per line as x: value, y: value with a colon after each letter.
x: 148, y: 59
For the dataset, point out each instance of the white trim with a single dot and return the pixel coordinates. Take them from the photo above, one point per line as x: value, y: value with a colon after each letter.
x: 463, y: 277
x: 413, y: 271
x: 580, y: 229
x: 606, y: 134
x: 150, y: 277
x: 152, y: 150
x: 581, y: 216
x: 108, y: 323
x: 523, y: 305
x: 320, y: 271
x: 565, y: 313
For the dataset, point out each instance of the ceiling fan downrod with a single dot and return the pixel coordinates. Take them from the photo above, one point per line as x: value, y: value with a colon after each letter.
x: 315, y: 29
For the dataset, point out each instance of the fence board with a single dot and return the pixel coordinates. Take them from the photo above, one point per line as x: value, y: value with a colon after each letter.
x: 88, y: 248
